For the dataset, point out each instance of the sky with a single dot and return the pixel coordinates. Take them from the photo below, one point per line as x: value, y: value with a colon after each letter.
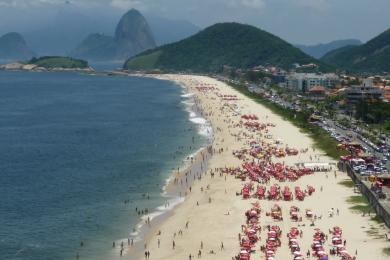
x: 297, y: 21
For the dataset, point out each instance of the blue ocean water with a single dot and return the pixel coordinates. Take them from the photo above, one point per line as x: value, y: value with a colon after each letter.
x: 73, y: 148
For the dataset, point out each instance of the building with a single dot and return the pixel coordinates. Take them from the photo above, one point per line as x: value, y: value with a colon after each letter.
x: 386, y: 93
x: 305, y: 81
x: 355, y: 94
x: 317, y: 93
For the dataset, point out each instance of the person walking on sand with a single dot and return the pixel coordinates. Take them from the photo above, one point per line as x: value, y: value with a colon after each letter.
x: 199, y: 254
x: 173, y: 244
x: 222, y: 247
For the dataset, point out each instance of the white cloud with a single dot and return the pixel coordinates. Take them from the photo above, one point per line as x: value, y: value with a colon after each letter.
x: 256, y: 4
x: 319, y: 5
x: 128, y: 4
x: 253, y: 3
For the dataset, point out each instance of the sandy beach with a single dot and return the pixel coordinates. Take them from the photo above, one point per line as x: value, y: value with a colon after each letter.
x: 212, y: 213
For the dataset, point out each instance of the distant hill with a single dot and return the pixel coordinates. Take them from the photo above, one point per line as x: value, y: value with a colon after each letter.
x: 14, y: 47
x: 132, y: 36
x: 319, y: 50
x: 373, y: 56
x: 168, y: 31
x: 232, y: 44
x: 64, y: 31
x: 96, y: 46
x: 51, y: 62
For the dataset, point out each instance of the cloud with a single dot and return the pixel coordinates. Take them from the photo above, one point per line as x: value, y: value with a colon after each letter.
x: 318, y: 5
x: 259, y: 4
x: 128, y: 4
x: 256, y: 4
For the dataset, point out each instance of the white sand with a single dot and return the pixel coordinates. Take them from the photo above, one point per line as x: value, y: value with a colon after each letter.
x: 210, y: 223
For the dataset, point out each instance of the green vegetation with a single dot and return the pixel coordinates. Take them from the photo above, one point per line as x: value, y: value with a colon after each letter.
x: 373, y: 112
x: 361, y: 208
x: 386, y: 251
x: 142, y: 62
x: 378, y: 219
x: 320, y: 137
x: 358, y: 199
x: 347, y: 183
x: 231, y: 44
x: 370, y: 57
x: 51, y: 62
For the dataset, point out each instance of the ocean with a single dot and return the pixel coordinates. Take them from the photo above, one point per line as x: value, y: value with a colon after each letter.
x: 78, y: 154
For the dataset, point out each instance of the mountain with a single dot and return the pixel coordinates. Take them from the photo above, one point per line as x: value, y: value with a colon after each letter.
x: 232, y: 44
x: 373, y: 56
x: 319, y: 50
x: 64, y: 31
x: 96, y: 47
x: 132, y: 36
x: 168, y: 31
x: 14, y: 47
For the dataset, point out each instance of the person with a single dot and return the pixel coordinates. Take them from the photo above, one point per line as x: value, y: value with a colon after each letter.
x: 77, y: 256
x: 222, y: 247
x: 146, y: 255
x: 199, y: 254
x: 158, y: 242
x: 173, y: 244
x: 190, y: 257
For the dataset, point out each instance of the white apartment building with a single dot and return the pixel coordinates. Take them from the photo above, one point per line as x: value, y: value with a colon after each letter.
x: 305, y: 81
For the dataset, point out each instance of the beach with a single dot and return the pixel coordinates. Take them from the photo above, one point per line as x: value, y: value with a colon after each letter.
x: 210, y: 219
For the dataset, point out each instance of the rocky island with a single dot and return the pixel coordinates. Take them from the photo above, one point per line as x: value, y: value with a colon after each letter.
x: 50, y: 63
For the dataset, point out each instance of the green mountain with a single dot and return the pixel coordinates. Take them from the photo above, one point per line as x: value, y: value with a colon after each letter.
x: 55, y: 62
x: 232, y: 44
x: 319, y: 50
x: 373, y: 56
x: 132, y: 36
x: 14, y: 47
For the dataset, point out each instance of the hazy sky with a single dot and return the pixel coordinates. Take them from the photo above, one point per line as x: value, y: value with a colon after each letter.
x: 298, y: 21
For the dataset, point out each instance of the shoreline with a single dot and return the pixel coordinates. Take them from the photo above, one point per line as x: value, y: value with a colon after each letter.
x: 174, y: 194
x: 232, y: 206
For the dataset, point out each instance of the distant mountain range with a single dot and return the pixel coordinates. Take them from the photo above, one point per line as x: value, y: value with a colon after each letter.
x: 232, y: 44
x: 13, y: 46
x: 373, y: 56
x: 168, y: 31
x: 69, y: 27
x: 132, y: 36
x: 319, y: 50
